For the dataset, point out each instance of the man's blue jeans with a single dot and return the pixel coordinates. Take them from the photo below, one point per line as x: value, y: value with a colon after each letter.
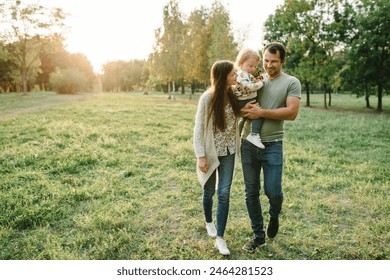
x: 270, y: 160
x: 225, y: 177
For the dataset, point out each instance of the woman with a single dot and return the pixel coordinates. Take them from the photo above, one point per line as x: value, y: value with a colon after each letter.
x: 216, y: 143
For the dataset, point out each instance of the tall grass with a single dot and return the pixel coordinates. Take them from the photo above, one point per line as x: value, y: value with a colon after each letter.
x: 113, y: 177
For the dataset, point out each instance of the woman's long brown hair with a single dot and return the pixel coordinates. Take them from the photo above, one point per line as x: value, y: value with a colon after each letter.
x: 221, y: 94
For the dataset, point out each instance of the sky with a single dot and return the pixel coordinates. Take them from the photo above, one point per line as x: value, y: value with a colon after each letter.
x: 107, y: 30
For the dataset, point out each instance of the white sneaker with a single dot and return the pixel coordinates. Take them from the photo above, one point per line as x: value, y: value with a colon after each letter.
x: 211, y: 230
x: 255, y: 140
x: 220, y: 244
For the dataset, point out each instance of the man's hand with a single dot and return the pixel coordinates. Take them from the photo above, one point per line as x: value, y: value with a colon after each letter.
x: 251, y: 110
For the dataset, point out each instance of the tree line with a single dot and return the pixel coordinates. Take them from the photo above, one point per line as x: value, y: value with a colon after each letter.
x: 183, y: 52
x: 32, y: 51
x: 333, y: 46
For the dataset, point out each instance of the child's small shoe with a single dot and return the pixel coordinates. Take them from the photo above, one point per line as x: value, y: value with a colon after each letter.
x: 255, y: 140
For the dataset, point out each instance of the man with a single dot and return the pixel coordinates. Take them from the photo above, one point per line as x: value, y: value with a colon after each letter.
x: 279, y: 100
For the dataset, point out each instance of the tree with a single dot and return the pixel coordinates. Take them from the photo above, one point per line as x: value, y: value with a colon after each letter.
x: 222, y: 45
x: 186, y: 50
x: 112, y: 72
x: 74, y: 76
x: 68, y: 80
x: 135, y: 73
x: 7, y: 68
x: 196, y: 42
x: 305, y: 27
x: 26, y: 25
x: 81, y: 63
x: 124, y: 75
x: 166, y: 60
x: 53, y: 56
x: 369, y: 52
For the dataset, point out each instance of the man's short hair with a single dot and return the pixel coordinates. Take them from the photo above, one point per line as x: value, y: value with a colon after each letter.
x: 274, y: 48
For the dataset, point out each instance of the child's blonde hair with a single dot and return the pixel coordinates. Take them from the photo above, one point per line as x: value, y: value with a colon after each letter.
x: 244, y: 55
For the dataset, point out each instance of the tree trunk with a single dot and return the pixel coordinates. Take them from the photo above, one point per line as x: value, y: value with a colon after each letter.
x: 24, y: 80
x: 325, y: 104
x: 174, y: 91
x: 192, y: 88
x: 367, y: 97
x: 330, y: 98
x: 169, y: 89
x: 380, y: 91
x: 307, y: 87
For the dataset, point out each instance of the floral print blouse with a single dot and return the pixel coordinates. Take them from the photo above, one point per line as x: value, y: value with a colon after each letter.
x: 247, y: 85
x: 226, y: 140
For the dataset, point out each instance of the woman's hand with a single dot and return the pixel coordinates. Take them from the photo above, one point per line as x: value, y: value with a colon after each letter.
x: 203, y: 164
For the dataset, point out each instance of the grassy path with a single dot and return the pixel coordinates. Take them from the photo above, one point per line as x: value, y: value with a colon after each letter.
x: 14, y: 104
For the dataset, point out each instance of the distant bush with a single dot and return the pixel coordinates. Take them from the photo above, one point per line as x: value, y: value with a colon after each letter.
x: 68, y: 80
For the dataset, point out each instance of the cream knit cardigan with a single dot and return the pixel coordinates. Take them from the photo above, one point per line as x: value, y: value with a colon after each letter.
x: 204, y: 140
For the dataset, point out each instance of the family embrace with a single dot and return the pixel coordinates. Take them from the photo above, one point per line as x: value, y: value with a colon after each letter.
x: 262, y: 104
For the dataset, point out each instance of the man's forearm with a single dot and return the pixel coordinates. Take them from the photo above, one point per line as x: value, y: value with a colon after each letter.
x: 290, y: 112
x: 278, y: 114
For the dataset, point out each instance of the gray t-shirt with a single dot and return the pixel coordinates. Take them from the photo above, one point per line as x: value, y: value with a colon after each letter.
x: 273, y: 95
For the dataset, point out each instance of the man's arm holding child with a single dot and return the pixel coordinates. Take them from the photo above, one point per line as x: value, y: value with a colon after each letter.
x: 253, y: 111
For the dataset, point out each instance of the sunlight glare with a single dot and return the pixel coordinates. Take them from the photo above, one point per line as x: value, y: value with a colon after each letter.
x: 123, y: 30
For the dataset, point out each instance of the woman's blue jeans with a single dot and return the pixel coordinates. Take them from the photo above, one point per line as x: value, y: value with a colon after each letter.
x: 270, y: 160
x: 225, y: 177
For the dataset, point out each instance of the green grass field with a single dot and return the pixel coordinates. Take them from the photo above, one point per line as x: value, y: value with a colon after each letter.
x: 112, y: 176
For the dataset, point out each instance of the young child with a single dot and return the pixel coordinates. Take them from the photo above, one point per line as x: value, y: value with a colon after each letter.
x: 246, y: 89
